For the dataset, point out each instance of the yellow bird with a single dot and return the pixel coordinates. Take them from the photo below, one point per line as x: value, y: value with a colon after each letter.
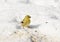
x: 26, y: 21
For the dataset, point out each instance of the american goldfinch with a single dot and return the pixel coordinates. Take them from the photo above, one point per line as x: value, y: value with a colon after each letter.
x: 26, y: 21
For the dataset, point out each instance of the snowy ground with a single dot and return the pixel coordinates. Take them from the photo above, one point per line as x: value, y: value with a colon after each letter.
x: 45, y: 20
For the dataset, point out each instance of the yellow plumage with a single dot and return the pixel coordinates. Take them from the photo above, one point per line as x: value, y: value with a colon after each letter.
x: 26, y: 21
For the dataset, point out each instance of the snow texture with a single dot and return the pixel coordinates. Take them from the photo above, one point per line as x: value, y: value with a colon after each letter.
x: 45, y: 20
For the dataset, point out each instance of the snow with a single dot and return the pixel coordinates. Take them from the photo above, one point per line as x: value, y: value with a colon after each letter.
x: 45, y: 20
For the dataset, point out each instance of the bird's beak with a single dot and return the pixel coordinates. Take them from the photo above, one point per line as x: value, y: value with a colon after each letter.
x: 29, y: 17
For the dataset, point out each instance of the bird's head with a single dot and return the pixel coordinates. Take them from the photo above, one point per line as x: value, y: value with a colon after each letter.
x: 28, y: 16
